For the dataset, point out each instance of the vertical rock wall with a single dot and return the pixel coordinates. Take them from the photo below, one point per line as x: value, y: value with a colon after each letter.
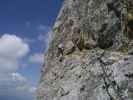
x: 97, y: 45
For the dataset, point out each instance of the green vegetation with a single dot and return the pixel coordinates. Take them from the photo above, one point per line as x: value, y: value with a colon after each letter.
x: 81, y: 41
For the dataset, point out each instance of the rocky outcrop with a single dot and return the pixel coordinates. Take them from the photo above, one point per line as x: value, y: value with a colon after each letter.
x: 97, y: 61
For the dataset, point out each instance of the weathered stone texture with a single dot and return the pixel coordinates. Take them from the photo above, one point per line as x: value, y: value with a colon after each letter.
x: 97, y: 63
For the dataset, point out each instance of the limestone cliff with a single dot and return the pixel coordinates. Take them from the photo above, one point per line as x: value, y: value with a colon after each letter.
x: 96, y: 61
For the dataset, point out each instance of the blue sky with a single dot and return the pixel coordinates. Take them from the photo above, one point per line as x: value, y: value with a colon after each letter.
x: 25, y: 26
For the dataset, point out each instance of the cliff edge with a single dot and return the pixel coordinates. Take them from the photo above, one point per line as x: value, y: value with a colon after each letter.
x: 91, y: 54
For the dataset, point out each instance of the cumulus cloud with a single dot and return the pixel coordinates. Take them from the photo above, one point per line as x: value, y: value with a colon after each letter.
x: 37, y: 58
x: 22, y: 83
x: 13, y: 86
x: 16, y: 87
x: 12, y: 48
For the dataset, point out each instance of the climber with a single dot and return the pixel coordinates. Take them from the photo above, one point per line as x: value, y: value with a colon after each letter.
x: 60, y: 52
x: 60, y: 49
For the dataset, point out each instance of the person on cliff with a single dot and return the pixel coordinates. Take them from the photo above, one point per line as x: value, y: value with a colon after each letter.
x: 60, y: 52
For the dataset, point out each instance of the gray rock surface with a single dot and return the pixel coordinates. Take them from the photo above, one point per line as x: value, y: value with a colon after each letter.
x: 96, y: 64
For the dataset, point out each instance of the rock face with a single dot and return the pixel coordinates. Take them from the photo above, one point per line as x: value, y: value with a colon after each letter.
x: 95, y: 64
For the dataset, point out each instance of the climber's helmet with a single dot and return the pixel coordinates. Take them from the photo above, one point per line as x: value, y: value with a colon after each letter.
x: 61, y: 46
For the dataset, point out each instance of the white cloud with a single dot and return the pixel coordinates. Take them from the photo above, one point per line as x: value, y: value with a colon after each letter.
x: 18, y: 77
x: 36, y: 58
x: 13, y: 86
x: 12, y: 49
x: 8, y: 65
x: 45, y: 36
x: 12, y: 46
x: 16, y: 87
x: 46, y: 39
x: 24, y: 84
